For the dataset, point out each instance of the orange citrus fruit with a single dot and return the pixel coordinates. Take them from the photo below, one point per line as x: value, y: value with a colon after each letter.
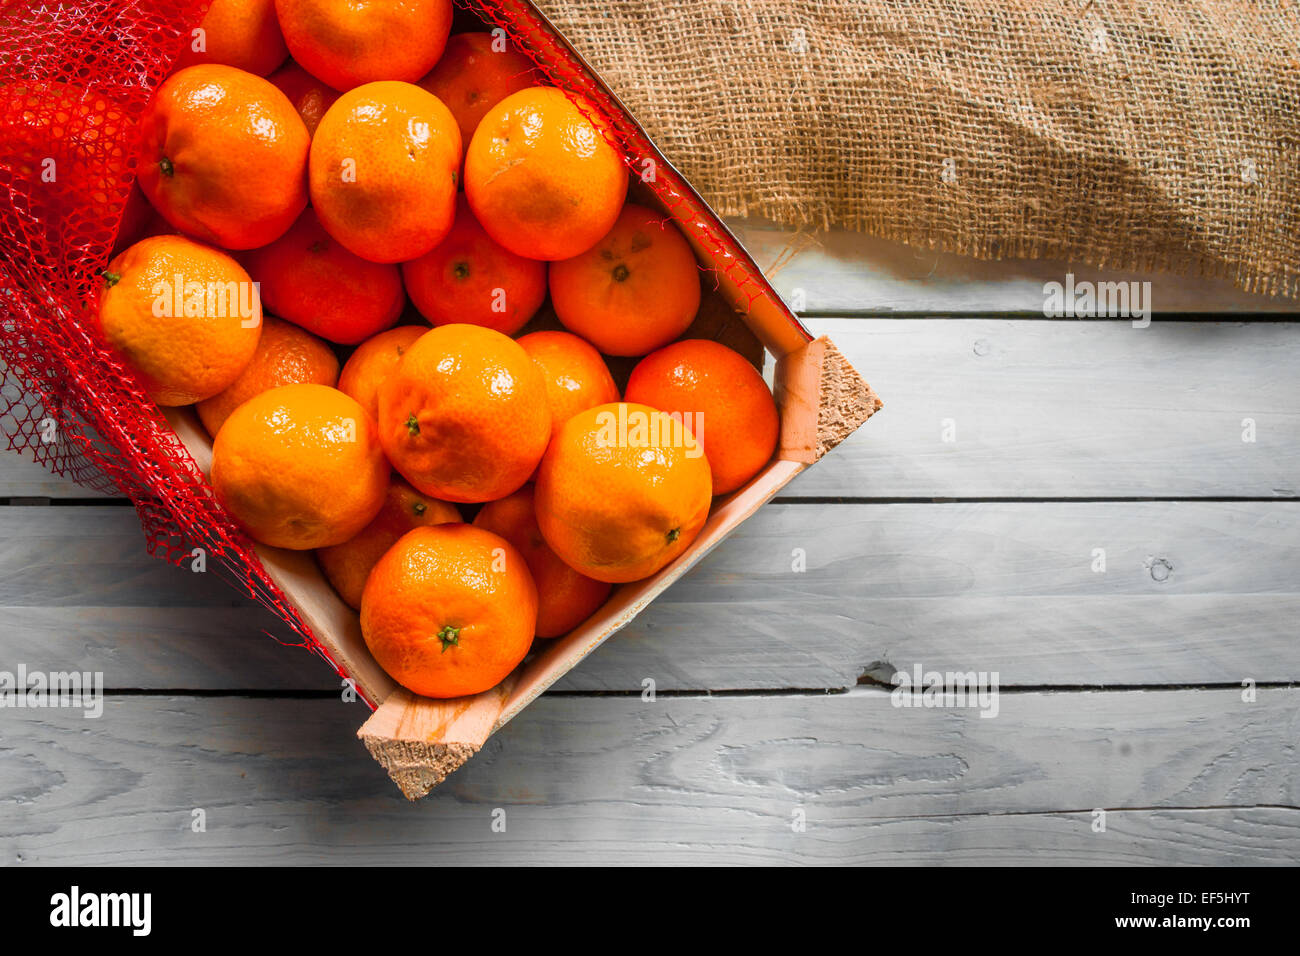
x: 636, y: 290
x: 577, y: 378
x: 286, y: 355
x: 58, y: 154
x: 469, y: 277
x: 477, y: 71
x: 139, y: 219
x: 350, y: 42
x: 622, y: 491
x: 224, y: 156
x: 348, y: 565
x: 241, y: 33
x: 183, y: 315
x: 565, y: 598
x: 541, y: 177
x: 299, y: 467
x: 308, y: 278
x: 309, y: 96
x: 721, y: 397
x: 463, y: 416
x: 449, y: 611
x: 383, y: 170
x: 373, y: 361
x: 46, y: 121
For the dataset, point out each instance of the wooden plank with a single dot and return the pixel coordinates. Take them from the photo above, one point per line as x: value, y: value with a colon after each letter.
x: 840, y: 271
x: 20, y: 477
x: 1007, y: 587
x: 93, y: 556
x: 243, y: 647
x: 1048, y: 409
x: 1185, y: 777
x: 1053, y: 409
x: 985, y: 586
x: 1068, y: 409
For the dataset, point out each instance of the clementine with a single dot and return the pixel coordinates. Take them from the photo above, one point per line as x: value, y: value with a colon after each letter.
x: 463, y: 417
x: 541, y: 177
x: 61, y: 165
x: 286, y: 355
x: 373, y: 361
x: 469, y: 277
x: 299, y: 467
x: 622, y: 491
x: 565, y: 598
x: 309, y: 96
x: 383, y: 170
x: 309, y: 278
x: 183, y: 315
x: 139, y: 219
x: 577, y: 378
x: 241, y: 33
x: 636, y: 290
x: 350, y: 42
x: 721, y: 397
x: 55, y: 137
x: 449, y: 611
x: 224, y: 156
x: 348, y: 565
x: 477, y: 71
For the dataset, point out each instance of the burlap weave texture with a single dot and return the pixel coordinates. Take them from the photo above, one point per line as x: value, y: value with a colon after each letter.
x: 1131, y: 134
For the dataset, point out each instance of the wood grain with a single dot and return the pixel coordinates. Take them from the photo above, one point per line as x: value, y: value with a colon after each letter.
x: 419, y: 741
x: 990, y: 586
x: 848, y: 272
x: 1045, y: 410
x: 1067, y: 410
x: 1195, y: 593
x: 1185, y: 776
x: 21, y: 477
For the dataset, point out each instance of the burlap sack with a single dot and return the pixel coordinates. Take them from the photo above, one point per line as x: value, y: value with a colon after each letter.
x: 1129, y: 134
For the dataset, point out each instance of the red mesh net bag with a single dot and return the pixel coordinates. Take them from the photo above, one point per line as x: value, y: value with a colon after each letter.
x: 73, y: 79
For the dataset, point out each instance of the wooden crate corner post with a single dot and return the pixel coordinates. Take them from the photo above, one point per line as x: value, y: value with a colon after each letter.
x: 822, y: 398
x: 420, y: 741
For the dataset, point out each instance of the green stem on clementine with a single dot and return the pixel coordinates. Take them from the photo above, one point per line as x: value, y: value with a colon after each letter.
x: 674, y: 535
x: 165, y: 166
x: 449, y: 635
x: 111, y: 278
x: 420, y: 507
x: 412, y: 426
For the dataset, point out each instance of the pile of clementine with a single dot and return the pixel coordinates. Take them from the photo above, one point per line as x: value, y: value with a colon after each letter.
x: 355, y: 218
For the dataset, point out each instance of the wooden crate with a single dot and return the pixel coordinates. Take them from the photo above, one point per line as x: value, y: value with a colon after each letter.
x: 418, y: 740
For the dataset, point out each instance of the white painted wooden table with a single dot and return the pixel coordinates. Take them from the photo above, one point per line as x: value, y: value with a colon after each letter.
x: 1121, y: 689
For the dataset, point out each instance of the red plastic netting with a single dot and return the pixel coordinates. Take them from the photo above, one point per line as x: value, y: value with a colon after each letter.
x: 73, y: 78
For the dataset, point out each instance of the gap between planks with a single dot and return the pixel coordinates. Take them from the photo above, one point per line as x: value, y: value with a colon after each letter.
x: 864, y: 682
